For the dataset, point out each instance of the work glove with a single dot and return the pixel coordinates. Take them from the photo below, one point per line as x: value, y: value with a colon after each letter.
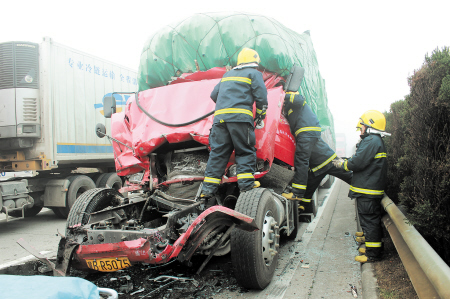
x: 259, y: 124
x: 260, y: 116
x: 291, y: 196
x: 338, y: 162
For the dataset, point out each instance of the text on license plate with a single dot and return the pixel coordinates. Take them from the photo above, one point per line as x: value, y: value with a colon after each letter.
x: 109, y: 264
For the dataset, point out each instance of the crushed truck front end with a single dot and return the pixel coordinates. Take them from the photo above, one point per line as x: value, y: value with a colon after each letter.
x: 164, y: 218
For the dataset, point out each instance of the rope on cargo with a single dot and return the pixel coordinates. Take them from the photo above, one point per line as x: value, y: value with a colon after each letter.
x: 166, y: 124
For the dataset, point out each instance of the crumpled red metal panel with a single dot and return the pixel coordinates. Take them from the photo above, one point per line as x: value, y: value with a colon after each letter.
x: 178, y: 103
x: 271, y: 79
x: 173, y: 104
x: 139, y: 250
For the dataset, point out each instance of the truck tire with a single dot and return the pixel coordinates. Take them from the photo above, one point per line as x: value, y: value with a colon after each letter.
x: 294, y: 233
x: 95, y: 176
x: 58, y: 212
x: 277, y: 178
x: 78, y: 185
x: 112, y: 180
x: 254, y: 255
x: 90, y: 201
x: 98, y: 179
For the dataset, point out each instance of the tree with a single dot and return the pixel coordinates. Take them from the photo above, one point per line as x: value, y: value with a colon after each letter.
x: 419, y: 151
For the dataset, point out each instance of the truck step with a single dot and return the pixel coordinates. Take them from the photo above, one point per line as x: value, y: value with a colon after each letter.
x: 306, y: 217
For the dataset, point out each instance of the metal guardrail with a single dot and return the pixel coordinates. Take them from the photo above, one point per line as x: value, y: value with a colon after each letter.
x: 429, y: 274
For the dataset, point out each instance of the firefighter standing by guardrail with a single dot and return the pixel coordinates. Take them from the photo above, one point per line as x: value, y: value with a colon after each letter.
x: 369, y: 166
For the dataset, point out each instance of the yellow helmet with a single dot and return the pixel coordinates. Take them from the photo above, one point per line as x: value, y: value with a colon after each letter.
x: 247, y: 56
x: 372, y: 119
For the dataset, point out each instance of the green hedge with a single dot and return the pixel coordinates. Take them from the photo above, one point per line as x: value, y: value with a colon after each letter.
x: 419, y: 151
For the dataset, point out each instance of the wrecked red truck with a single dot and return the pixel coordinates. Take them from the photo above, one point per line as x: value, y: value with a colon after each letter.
x: 160, y: 142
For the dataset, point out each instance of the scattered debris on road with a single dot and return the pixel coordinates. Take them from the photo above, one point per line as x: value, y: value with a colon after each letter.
x: 354, y: 292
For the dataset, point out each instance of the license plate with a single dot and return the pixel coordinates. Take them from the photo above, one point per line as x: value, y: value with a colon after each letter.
x: 109, y: 264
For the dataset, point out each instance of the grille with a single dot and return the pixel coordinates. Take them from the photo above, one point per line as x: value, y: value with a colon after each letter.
x: 6, y: 66
x: 30, y: 112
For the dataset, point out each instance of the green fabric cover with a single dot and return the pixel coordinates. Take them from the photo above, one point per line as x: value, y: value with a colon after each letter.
x: 215, y: 40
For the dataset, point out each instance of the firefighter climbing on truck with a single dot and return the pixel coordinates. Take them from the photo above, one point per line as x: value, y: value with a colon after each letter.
x: 233, y: 125
x: 313, y: 156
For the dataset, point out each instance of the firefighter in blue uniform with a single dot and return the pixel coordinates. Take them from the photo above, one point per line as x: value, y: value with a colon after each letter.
x: 369, y: 166
x: 313, y: 156
x: 233, y: 125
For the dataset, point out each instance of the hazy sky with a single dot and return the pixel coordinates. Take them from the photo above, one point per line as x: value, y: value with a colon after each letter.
x: 366, y: 49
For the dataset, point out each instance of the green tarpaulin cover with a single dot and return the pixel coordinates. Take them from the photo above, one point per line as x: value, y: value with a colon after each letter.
x: 215, y: 40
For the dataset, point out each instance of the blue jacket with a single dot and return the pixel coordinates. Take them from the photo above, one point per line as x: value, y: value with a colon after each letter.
x: 235, y: 94
x: 301, y: 118
x: 369, y: 166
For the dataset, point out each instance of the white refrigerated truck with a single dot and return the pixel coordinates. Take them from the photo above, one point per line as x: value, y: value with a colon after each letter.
x: 51, y: 98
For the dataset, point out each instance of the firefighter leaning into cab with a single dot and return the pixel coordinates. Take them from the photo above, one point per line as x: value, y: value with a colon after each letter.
x: 313, y: 156
x: 369, y: 166
x: 233, y: 125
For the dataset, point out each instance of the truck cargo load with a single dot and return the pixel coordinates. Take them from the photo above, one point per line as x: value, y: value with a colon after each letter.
x: 207, y: 40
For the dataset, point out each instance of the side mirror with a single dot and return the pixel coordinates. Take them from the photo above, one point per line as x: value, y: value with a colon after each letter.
x: 109, y: 106
x: 100, y: 130
x: 295, y: 78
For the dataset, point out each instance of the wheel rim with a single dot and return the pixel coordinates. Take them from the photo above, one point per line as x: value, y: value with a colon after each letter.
x: 270, y: 236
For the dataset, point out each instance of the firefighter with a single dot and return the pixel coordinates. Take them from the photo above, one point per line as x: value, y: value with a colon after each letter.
x: 313, y: 156
x: 369, y: 166
x: 233, y: 125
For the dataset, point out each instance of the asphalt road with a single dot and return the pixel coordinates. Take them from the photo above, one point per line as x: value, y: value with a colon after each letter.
x: 40, y: 231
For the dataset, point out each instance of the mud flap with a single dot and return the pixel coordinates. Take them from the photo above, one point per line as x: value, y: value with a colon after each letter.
x: 64, y: 257
x: 210, y: 219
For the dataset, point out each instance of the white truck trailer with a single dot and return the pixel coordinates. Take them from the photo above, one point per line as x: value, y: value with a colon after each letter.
x: 51, y: 98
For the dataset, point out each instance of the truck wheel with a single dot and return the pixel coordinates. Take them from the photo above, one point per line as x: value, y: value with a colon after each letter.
x: 277, y: 178
x: 254, y: 254
x: 78, y: 185
x: 90, y: 201
x: 95, y: 177
x: 294, y: 233
x: 58, y: 212
x: 98, y: 179
x: 111, y: 179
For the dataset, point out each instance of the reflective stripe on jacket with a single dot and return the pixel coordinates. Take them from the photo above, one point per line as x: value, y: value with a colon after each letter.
x: 301, y: 118
x: 235, y: 94
x: 321, y: 157
x: 369, y: 166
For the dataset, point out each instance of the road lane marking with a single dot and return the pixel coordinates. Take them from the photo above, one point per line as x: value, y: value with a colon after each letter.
x: 23, y: 260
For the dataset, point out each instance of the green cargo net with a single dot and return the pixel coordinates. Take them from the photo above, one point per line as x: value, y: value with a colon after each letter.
x: 210, y: 40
